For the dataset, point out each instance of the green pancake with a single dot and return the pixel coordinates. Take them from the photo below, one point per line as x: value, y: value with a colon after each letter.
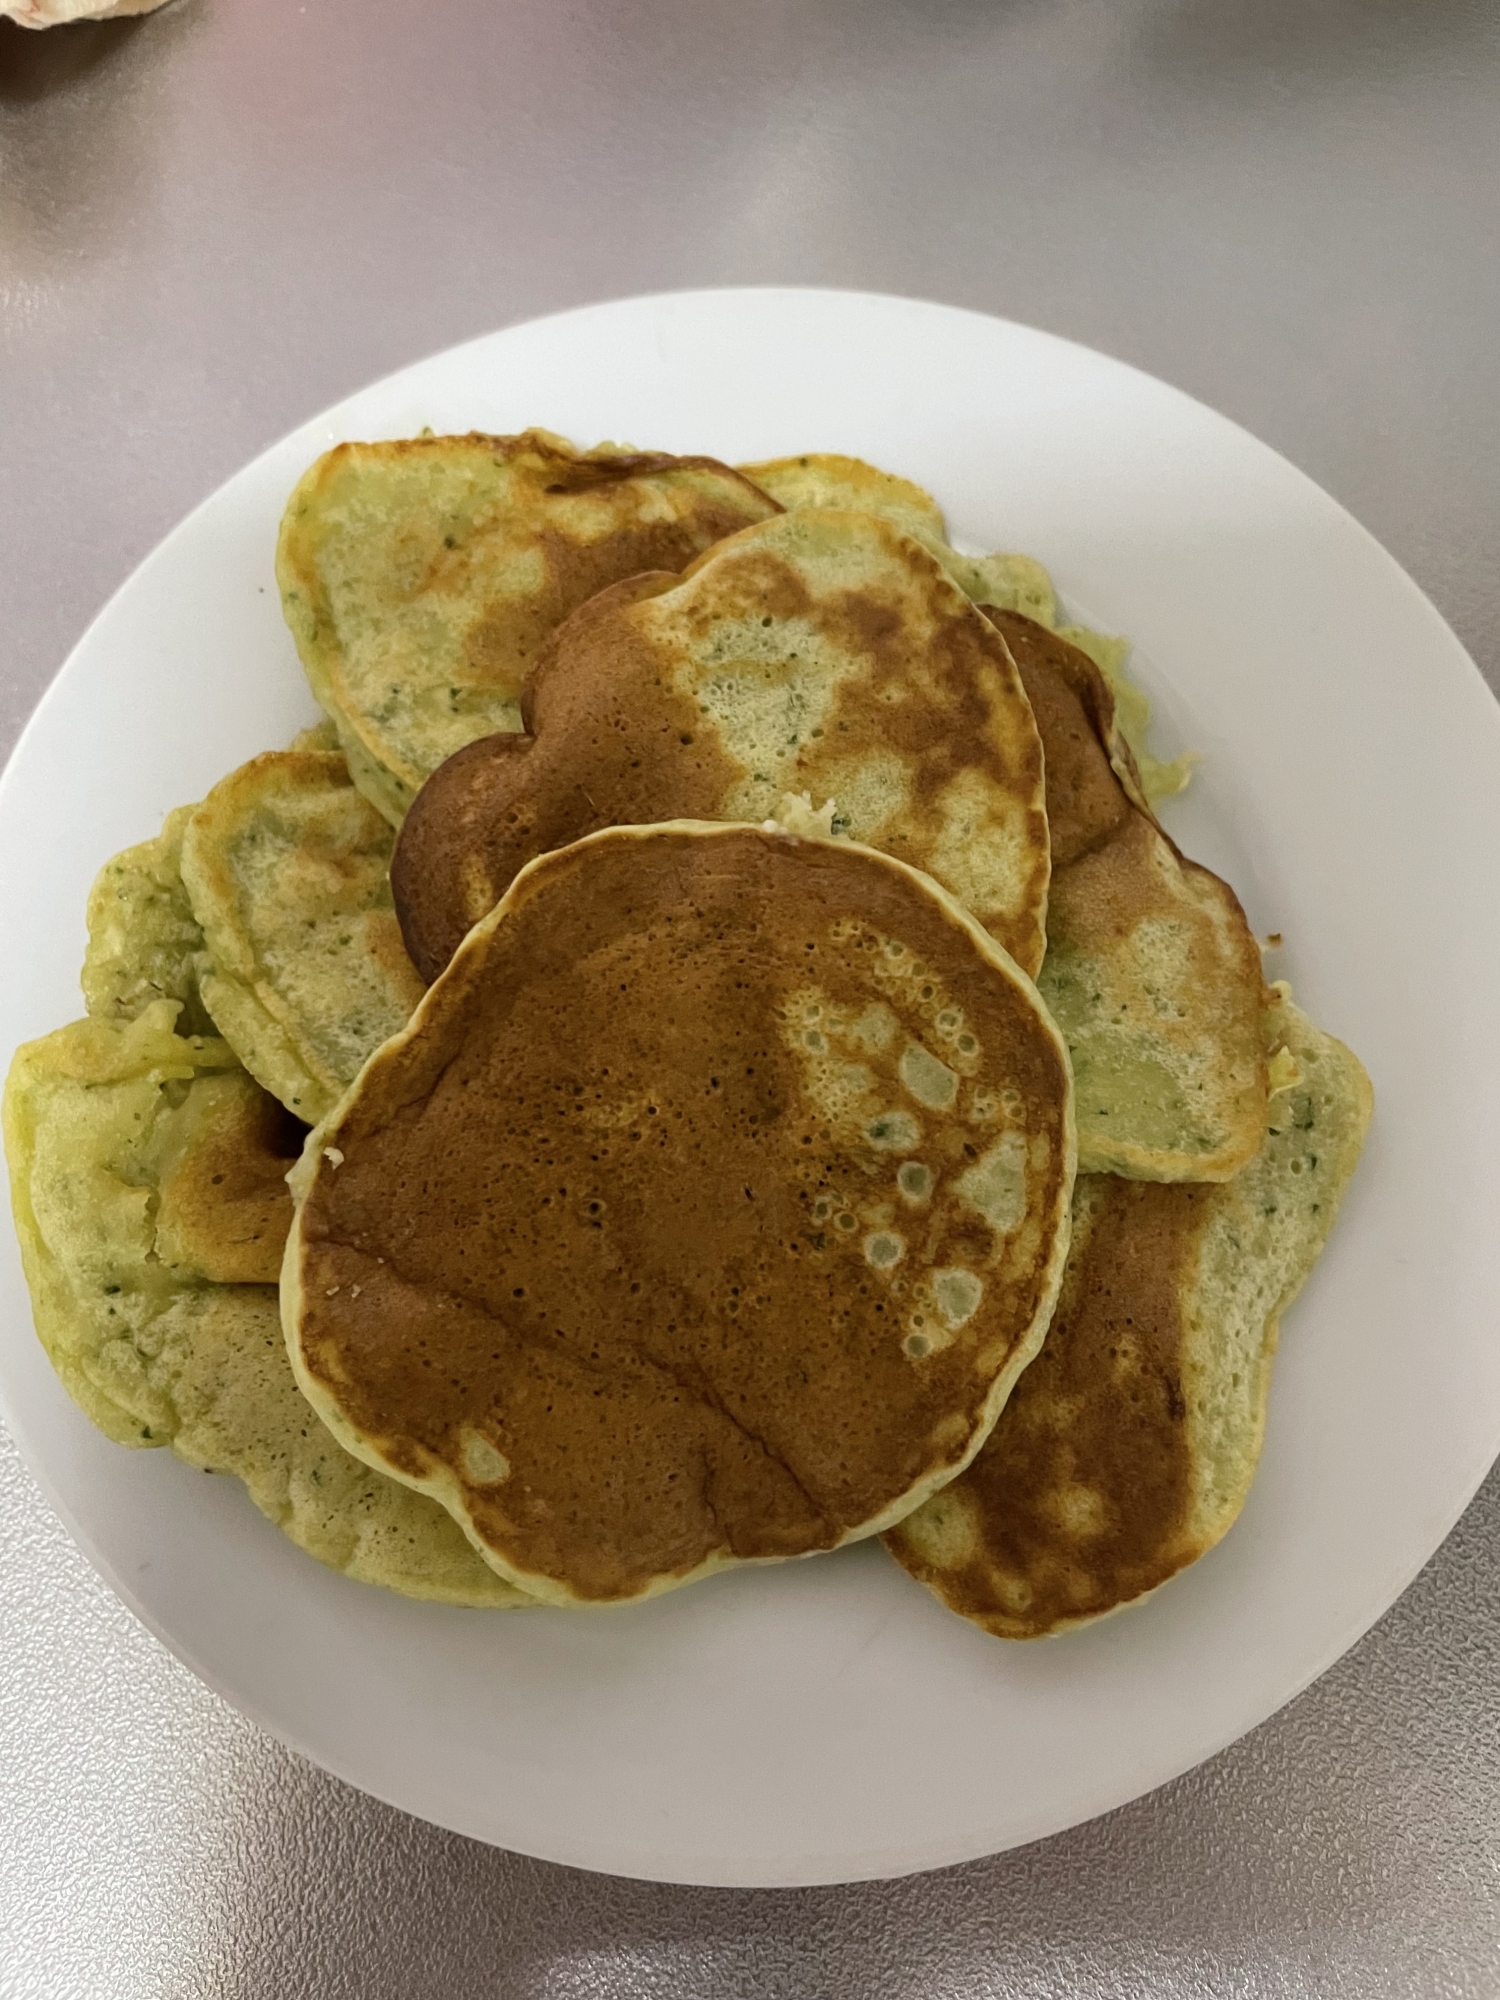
x: 303, y: 969
x: 147, y: 1182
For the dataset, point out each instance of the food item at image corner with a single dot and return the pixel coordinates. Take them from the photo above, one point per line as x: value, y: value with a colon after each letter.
x: 56, y: 13
x: 1128, y: 1446
x: 822, y: 654
x: 1009, y: 582
x: 1151, y: 970
x: 420, y: 577
x: 705, y: 1213
x: 303, y: 969
x: 148, y: 1186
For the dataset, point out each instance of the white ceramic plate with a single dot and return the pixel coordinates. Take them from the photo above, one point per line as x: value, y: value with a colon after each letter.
x: 827, y: 1720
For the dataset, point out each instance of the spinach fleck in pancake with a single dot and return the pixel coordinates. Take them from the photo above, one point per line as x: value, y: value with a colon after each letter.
x: 822, y: 653
x: 1151, y: 970
x: 1128, y: 1446
x: 705, y: 1212
x: 421, y: 576
x: 303, y: 970
x: 147, y: 1181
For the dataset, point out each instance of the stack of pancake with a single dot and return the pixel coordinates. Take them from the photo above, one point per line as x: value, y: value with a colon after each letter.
x: 714, y: 1046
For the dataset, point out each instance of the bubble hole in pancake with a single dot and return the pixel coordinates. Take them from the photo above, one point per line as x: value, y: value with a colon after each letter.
x: 1128, y: 1447
x: 823, y: 653
x: 705, y: 1212
x: 420, y: 576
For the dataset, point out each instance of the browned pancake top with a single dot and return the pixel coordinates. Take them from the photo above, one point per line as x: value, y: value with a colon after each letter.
x: 704, y: 1213
x: 1082, y: 1498
x: 912, y: 720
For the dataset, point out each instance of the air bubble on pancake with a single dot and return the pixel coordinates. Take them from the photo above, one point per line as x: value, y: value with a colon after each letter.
x: 916, y: 1345
x: 894, y: 1132
x: 931, y: 1082
x: 958, y: 1293
x: 483, y: 1464
x: 884, y: 1248
x: 914, y: 1180
x: 995, y: 1186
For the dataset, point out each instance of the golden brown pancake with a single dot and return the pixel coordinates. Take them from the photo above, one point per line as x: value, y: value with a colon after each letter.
x: 421, y: 576
x: 705, y: 1212
x: 1128, y: 1446
x: 1151, y: 970
x: 821, y: 653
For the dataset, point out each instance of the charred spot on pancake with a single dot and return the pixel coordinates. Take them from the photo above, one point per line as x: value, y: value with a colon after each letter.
x: 637, y: 1203
x: 824, y: 655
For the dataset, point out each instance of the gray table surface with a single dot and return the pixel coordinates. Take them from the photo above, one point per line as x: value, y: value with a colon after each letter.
x: 222, y: 217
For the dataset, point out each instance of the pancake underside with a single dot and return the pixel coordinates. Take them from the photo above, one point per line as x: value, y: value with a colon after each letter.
x: 1010, y: 582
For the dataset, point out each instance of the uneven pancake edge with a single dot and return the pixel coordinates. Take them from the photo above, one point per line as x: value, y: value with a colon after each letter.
x: 321, y: 1143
